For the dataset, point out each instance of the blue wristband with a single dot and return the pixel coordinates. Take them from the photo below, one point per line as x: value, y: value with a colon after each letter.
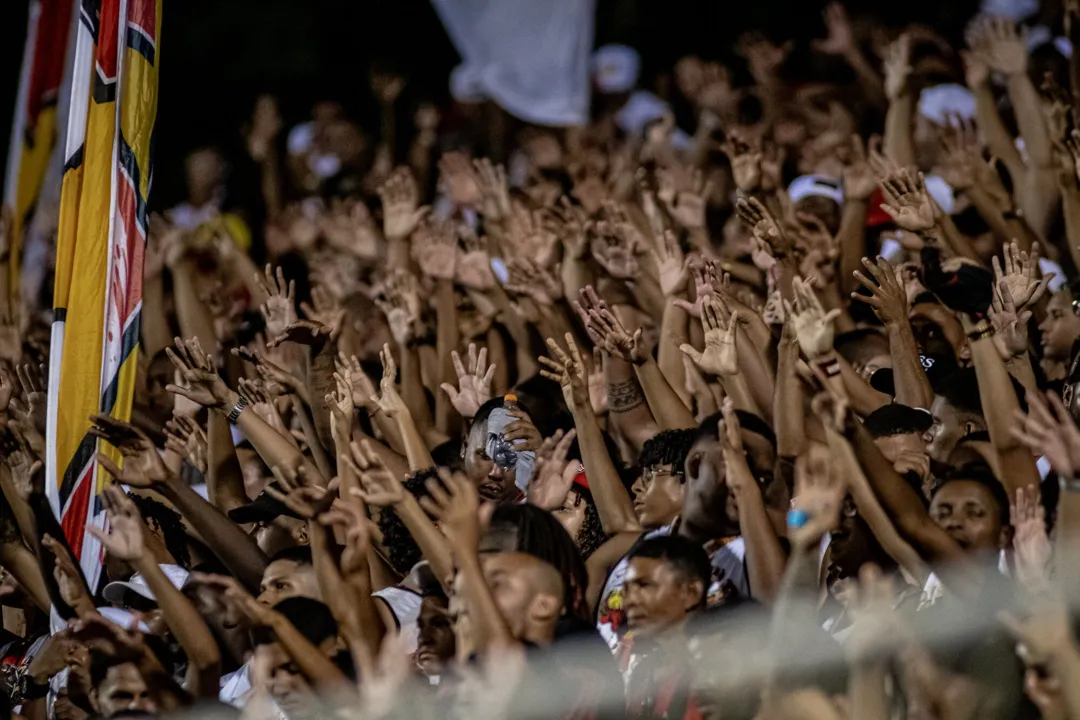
x: 797, y: 518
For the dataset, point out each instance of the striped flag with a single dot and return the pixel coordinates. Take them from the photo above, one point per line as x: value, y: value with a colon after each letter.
x: 35, y: 124
x: 99, y: 254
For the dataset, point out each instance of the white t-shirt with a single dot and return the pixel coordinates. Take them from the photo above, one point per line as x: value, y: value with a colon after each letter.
x: 729, y: 579
x: 405, y: 604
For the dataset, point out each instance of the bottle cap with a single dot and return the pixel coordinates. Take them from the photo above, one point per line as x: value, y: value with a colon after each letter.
x: 510, y: 397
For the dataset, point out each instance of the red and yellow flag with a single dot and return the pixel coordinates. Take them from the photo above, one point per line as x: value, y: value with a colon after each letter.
x: 99, y: 255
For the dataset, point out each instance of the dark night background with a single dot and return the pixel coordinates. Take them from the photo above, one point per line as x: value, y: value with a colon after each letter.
x: 218, y: 55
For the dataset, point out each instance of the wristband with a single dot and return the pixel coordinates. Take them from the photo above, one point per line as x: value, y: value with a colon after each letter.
x: 28, y: 689
x: 234, y: 414
x: 797, y: 518
x: 1069, y: 484
x: 982, y: 330
x: 831, y: 367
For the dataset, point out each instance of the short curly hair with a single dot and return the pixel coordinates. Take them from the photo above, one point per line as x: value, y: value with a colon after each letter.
x: 401, y: 549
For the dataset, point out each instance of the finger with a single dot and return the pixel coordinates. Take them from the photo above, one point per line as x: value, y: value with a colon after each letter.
x: 459, y: 367
x: 691, y: 352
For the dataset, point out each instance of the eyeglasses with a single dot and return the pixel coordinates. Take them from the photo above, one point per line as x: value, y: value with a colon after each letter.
x: 650, y: 475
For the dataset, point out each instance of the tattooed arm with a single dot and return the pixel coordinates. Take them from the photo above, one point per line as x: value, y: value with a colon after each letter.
x: 628, y: 412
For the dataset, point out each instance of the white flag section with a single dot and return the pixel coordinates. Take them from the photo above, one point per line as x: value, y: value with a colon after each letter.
x: 531, y: 57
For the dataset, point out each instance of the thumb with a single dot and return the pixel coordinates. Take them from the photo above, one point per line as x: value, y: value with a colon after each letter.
x: 831, y: 315
x: 691, y: 352
x: 450, y: 390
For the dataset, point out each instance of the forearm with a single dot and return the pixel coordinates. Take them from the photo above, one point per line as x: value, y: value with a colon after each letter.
x: 764, y: 556
x: 268, y: 442
x: 912, y: 385
x: 851, y: 238
x: 1070, y: 211
x: 192, y: 315
x: 20, y: 562
x: 416, y: 450
x: 998, y: 139
x: 184, y: 623
x: 788, y: 407
x: 1021, y: 370
x: 311, y: 434
x: 628, y: 412
x: 1026, y: 102
x: 864, y: 398
x: 412, y: 386
x: 446, y: 340
x: 353, y: 609
x: 613, y: 503
x: 1000, y: 404
x: 154, y: 323
x: 1065, y: 664
x: 759, y: 376
x: 320, y: 382
x: 237, y: 550
x: 20, y: 511
x: 648, y: 296
x: 673, y: 334
x: 898, y: 143
x: 866, y: 690
x: 225, y: 477
x: 869, y: 81
x: 431, y: 542
x: 990, y: 212
x: 738, y: 389
x: 668, y: 409
x: 575, y: 275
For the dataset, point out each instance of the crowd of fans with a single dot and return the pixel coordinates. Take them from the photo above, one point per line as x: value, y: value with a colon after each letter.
x: 751, y: 399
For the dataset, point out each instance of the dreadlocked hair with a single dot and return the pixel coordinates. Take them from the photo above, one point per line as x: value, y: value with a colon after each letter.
x: 668, y: 447
x: 540, y: 534
x: 168, y: 521
x: 402, y: 551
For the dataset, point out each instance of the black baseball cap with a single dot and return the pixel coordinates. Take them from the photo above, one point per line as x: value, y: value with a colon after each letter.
x: 935, y: 366
x: 264, y: 508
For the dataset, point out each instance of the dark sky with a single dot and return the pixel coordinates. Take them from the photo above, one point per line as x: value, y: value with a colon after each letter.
x: 218, y: 55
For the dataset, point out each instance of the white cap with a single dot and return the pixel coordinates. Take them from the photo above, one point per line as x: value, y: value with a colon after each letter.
x: 643, y: 108
x: 123, y: 618
x: 616, y: 68
x: 815, y: 185
x: 938, y: 102
x: 114, y: 591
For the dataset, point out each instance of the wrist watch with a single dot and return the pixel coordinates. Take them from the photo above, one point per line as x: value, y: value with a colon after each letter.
x: 28, y: 689
x: 234, y: 414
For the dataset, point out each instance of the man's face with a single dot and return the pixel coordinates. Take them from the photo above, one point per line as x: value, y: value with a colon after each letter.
x: 280, y: 533
x: 124, y: 689
x: 435, y: 645
x: 287, y: 685
x: 284, y: 579
x: 492, y: 482
x: 968, y: 512
x: 656, y: 596
x: 508, y: 576
x: 950, y: 426
x: 1060, y: 328
x: 572, y: 513
x: 658, y: 495
x: 708, y: 501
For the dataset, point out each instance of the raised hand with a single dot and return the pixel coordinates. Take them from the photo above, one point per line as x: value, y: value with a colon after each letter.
x: 124, y: 541
x: 453, y: 502
x: 570, y: 223
x: 356, y: 531
x: 474, y: 264
x: 618, y: 244
x: 363, y: 390
x: 324, y: 309
x: 474, y: 382
x: 67, y: 576
x: 548, y: 486
x: 399, y: 301
x: 202, y: 384
x: 11, y: 344
x: 568, y: 370
x: 494, y: 190
x: 400, y: 200
x: 349, y: 227
x: 186, y: 438
x: 841, y: 38
x: 143, y: 466
x: 389, y: 401
x: 306, y: 332
x: 816, y: 504
x: 897, y: 67
x: 1021, y: 275
x: 279, y: 310
x: 615, y: 338
x: 7, y: 388
x: 906, y: 200
x: 531, y: 237
x: 458, y: 179
x: 764, y: 227
x: 721, y: 356
x: 378, y: 486
x: 738, y: 478
x: 687, y: 207
x: 859, y: 178
x: 340, y: 404
x: 673, y: 267
x: 1031, y: 544
x: 1048, y: 429
x: 887, y: 294
x: 434, y: 248
x: 961, y: 154
x: 998, y: 44
x: 534, y: 281
x: 305, y: 499
x: 813, y: 326
x: 1010, y: 324
x: 745, y: 160
x: 34, y: 383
